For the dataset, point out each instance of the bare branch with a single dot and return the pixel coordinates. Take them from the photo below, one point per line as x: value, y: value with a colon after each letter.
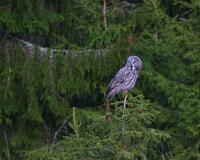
x: 66, y: 121
x: 7, y: 147
x: 104, y: 14
x: 31, y: 48
x: 43, y: 51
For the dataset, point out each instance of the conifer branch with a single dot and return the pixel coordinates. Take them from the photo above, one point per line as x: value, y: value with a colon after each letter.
x: 43, y: 51
x: 31, y: 48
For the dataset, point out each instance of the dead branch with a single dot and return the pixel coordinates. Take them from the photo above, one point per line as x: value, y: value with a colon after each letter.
x: 66, y: 121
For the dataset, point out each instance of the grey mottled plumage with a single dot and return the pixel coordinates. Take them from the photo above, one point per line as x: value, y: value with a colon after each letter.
x: 126, y: 77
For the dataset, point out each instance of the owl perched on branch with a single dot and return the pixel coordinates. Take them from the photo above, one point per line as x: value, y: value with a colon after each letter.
x: 125, y: 78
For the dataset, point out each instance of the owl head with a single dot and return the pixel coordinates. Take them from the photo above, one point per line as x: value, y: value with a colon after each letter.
x: 134, y: 63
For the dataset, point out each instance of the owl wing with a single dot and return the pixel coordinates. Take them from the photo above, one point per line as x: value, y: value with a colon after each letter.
x: 120, y: 81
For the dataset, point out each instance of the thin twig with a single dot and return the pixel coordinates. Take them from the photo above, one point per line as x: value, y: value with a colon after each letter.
x: 104, y: 14
x: 125, y: 101
x: 7, y: 147
x: 170, y: 153
x: 107, y: 117
x: 56, y: 134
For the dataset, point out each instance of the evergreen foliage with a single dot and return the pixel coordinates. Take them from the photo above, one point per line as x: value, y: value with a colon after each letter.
x: 129, y: 134
x: 37, y: 94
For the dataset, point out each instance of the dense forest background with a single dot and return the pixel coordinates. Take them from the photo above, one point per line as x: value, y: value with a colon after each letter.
x: 57, y: 58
